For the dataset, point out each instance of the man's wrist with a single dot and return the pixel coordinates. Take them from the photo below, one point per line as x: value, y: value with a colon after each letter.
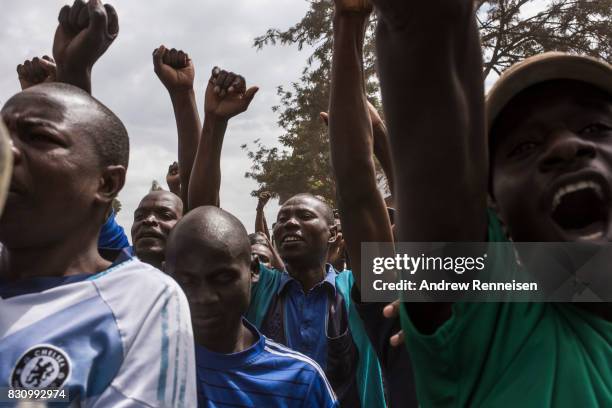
x: 65, y: 70
x: 80, y: 77
x: 215, y: 119
x: 179, y: 93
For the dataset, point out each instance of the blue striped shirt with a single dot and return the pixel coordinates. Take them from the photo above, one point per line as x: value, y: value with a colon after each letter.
x: 266, y: 374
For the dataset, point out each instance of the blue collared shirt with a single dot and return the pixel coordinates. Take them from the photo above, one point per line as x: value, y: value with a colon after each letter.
x: 306, y: 315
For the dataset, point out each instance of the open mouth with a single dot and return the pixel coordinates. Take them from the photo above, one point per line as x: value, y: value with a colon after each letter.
x: 291, y: 239
x: 581, y: 209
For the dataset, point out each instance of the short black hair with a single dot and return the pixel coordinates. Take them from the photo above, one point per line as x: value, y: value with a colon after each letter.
x: 328, y: 213
x: 111, y: 140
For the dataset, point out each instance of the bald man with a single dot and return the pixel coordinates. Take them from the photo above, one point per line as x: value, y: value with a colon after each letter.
x: 109, y: 331
x: 209, y: 254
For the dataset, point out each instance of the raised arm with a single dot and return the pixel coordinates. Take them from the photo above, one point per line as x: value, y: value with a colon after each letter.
x: 363, y: 213
x: 261, y: 224
x: 176, y: 72
x: 226, y: 97
x: 84, y: 33
x: 36, y: 71
x: 432, y: 89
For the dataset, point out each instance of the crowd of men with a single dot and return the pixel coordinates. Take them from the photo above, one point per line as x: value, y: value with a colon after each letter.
x: 197, y: 312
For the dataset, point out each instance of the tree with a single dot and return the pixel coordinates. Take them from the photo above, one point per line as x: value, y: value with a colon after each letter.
x: 508, y: 35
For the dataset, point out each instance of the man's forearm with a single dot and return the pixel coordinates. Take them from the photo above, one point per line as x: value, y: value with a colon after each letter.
x: 433, y: 97
x: 362, y: 209
x: 260, y: 222
x: 349, y: 124
x: 188, y: 127
x: 80, y: 78
x: 206, y: 175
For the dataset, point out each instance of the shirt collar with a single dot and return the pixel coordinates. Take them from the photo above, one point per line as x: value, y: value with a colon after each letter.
x: 329, y: 280
x: 209, y: 359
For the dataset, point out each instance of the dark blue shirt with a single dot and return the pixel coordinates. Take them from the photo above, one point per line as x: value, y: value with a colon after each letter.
x: 305, y: 315
x: 112, y: 235
x: 266, y: 374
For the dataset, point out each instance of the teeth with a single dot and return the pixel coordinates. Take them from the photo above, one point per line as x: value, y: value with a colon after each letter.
x: 581, y: 185
x: 291, y: 239
x: 595, y: 235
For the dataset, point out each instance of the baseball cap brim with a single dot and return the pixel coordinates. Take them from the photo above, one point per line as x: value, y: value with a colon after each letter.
x: 541, y: 68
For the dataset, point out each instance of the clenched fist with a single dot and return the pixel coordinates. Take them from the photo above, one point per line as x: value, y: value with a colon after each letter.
x: 36, y: 71
x: 226, y: 94
x: 174, y: 69
x: 84, y: 33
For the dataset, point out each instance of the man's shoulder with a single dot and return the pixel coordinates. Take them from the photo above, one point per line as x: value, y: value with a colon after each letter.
x: 134, y: 272
x: 286, y: 358
x: 135, y: 287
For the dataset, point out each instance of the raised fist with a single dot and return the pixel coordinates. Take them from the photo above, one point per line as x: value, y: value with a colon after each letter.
x: 226, y: 94
x: 84, y: 33
x: 263, y: 197
x: 174, y: 69
x: 36, y: 71
x: 173, y: 178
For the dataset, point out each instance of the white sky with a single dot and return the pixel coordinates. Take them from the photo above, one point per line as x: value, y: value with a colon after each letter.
x: 213, y: 32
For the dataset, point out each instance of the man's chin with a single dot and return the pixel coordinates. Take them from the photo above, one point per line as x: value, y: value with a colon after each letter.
x: 148, y: 250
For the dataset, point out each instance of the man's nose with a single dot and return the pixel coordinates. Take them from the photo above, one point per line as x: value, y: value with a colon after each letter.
x: 150, y: 220
x: 565, y: 149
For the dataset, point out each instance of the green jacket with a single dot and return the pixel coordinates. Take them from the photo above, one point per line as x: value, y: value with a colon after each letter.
x: 369, y: 376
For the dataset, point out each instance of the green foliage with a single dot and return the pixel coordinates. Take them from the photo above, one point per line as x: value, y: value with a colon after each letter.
x: 508, y: 35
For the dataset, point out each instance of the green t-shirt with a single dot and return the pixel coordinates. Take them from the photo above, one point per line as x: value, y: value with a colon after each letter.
x: 513, y: 355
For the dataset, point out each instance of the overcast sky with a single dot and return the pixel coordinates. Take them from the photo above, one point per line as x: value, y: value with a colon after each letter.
x: 213, y: 32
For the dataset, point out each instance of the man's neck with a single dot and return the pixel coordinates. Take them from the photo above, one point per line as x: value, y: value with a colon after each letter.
x: 230, y: 342
x: 308, y: 275
x: 67, y: 258
x: 154, y: 259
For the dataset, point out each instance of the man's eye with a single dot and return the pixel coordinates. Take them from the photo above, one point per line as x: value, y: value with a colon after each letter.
x: 595, y: 128
x: 166, y: 215
x: 224, y: 278
x: 522, y: 148
x: 34, y: 137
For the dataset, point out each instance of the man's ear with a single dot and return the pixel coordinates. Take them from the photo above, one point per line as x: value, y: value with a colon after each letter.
x: 333, y: 234
x: 111, y: 182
